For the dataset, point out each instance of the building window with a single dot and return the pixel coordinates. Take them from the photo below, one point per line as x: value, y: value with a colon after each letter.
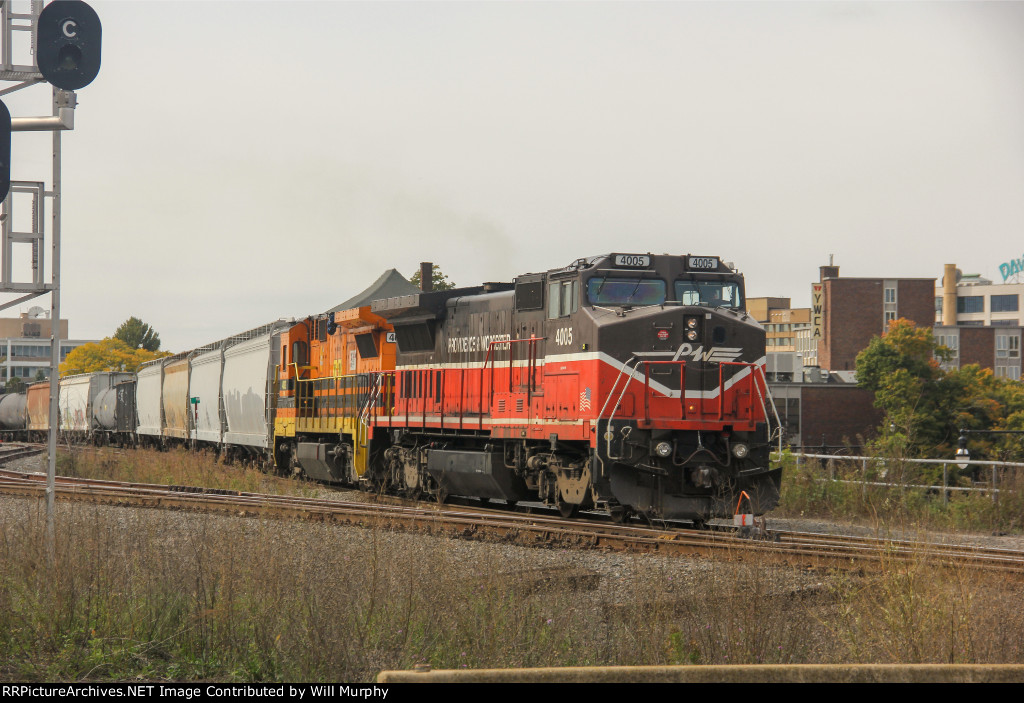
x: 1007, y: 346
x: 938, y: 304
x: 1005, y: 303
x: 970, y: 303
x: 890, y: 295
x: 890, y: 315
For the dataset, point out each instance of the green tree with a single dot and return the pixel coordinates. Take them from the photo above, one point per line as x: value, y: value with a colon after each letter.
x: 106, y: 355
x: 439, y: 279
x: 14, y: 385
x: 926, y: 406
x: 137, y: 334
x: 902, y: 369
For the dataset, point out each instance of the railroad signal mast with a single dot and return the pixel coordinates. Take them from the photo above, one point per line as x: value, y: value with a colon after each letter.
x: 66, y: 37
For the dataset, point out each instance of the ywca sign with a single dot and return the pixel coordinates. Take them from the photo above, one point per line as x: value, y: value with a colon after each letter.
x: 817, y: 309
x: 1011, y: 268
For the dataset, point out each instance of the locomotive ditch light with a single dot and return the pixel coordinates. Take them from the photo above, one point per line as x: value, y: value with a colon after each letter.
x: 663, y: 449
x: 740, y: 450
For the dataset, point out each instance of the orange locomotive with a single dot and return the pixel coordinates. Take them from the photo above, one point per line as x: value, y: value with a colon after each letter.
x: 323, y: 383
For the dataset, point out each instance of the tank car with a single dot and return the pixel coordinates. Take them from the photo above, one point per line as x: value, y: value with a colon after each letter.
x: 82, y: 415
x: 14, y: 415
x: 630, y: 382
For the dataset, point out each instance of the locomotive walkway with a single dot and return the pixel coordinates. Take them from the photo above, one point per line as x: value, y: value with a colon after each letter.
x: 802, y: 550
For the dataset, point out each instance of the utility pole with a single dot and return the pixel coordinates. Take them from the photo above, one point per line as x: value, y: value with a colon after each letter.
x: 65, y: 52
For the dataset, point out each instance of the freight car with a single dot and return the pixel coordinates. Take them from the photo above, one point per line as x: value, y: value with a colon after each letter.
x: 87, y: 406
x: 219, y: 396
x: 630, y: 382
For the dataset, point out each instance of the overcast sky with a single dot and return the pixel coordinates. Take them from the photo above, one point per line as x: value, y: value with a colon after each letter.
x: 236, y: 162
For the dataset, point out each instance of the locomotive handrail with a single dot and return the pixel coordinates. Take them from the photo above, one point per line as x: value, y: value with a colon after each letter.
x: 771, y: 403
x: 721, y: 386
x: 609, y: 435
x: 647, y: 387
x: 376, y: 391
x: 611, y: 391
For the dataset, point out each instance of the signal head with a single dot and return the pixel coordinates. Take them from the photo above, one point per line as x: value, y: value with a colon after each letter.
x: 68, y: 38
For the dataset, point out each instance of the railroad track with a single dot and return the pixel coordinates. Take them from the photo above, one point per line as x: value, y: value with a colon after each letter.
x: 804, y: 550
x: 10, y: 452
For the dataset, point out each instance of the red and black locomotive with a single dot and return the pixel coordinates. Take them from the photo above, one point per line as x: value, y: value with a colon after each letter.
x: 629, y: 382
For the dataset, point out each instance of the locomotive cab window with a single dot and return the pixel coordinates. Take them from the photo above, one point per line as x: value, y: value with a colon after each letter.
x: 602, y: 290
x: 711, y: 293
x: 563, y: 298
x: 529, y: 295
x: 367, y: 347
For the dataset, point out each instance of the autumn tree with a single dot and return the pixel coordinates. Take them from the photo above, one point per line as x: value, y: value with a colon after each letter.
x: 138, y: 335
x: 925, y: 405
x: 109, y: 354
x: 439, y: 279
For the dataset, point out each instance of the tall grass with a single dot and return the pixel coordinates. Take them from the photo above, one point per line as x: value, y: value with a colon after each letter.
x: 175, y: 467
x: 156, y: 595
x: 168, y: 596
x: 843, y: 490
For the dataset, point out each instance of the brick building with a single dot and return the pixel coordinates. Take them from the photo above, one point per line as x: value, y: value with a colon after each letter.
x: 833, y: 414
x: 848, y: 312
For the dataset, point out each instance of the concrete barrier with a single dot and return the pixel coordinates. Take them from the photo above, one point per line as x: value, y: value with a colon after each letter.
x: 794, y: 673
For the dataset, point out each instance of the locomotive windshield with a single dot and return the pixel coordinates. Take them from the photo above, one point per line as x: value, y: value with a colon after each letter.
x: 625, y: 291
x: 713, y: 293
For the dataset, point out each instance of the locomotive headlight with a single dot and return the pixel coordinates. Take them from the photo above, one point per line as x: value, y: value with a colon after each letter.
x: 691, y: 329
x: 663, y: 449
x: 740, y: 450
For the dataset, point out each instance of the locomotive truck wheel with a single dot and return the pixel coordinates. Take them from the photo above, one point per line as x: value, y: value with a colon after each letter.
x: 620, y: 514
x: 568, y: 510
